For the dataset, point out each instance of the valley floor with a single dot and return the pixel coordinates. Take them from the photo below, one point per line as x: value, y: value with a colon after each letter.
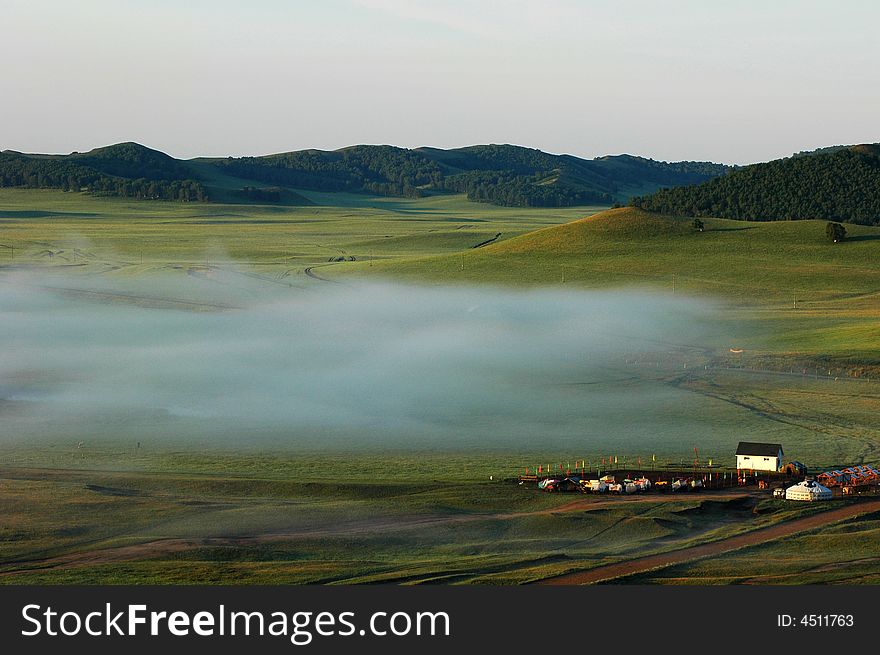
x: 797, y: 361
x: 113, y: 527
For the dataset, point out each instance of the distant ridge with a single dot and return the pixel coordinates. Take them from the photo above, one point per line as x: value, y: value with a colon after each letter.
x: 127, y: 170
x: 500, y: 174
x: 840, y: 183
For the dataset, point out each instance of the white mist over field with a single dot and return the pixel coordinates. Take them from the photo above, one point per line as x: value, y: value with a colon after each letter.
x: 373, y: 366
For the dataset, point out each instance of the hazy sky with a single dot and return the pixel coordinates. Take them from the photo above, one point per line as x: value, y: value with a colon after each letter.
x: 736, y: 81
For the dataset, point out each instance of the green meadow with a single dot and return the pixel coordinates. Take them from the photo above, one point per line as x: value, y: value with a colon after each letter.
x: 805, y: 296
x: 799, y: 364
x: 137, y: 237
x: 79, y: 526
x: 844, y: 553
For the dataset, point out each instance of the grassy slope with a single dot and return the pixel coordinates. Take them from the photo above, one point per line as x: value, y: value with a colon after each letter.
x: 271, y: 531
x: 844, y: 553
x: 112, y: 234
x: 760, y: 269
x: 756, y: 266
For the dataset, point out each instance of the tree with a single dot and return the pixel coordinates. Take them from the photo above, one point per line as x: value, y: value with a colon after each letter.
x: 698, y: 225
x: 836, y: 232
x: 839, y: 187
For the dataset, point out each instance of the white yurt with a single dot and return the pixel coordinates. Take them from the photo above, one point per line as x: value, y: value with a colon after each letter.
x: 808, y: 490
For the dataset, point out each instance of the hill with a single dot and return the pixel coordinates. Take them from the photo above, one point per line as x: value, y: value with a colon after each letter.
x: 126, y: 170
x: 765, y: 261
x: 838, y: 183
x: 813, y: 298
x: 132, y: 160
x: 500, y: 174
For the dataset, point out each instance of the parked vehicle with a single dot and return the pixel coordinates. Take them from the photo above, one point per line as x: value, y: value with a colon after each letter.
x: 594, y: 486
x: 679, y: 485
x: 559, y: 484
x: 642, y: 484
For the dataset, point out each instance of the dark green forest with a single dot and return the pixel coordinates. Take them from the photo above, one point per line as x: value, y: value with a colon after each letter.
x: 125, y: 170
x: 500, y: 174
x: 511, y: 190
x: 383, y: 170
x: 837, y: 184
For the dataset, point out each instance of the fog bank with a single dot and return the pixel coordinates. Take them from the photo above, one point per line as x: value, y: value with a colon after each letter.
x: 376, y: 366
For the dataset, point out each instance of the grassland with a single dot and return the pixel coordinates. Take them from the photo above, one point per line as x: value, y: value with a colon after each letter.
x: 807, y: 298
x: 65, y: 526
x: 191, y: 513
x: 845, y: 553
x: 138, y: 237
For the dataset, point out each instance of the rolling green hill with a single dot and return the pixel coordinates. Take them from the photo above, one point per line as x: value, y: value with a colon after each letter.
x: 838, y: 183
x: 133, y: 160
x: 757, y: 261
x: 127, y: 170
x: 500, y: 174
x: 811, y: 297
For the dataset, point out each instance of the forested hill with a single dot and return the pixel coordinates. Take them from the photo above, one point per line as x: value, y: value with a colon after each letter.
x: 125, y: 169
x: 840, y: 183
x: 500, y: 174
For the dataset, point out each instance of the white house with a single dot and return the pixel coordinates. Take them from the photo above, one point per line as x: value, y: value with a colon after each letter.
x: 759, y: 456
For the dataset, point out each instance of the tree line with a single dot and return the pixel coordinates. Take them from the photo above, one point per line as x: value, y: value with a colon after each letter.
x: 386, y: 170
x: 842, y: 186
x: 509, y: 189
x: 60, y: 173
x: 500, y: 174
x: 383, y: 170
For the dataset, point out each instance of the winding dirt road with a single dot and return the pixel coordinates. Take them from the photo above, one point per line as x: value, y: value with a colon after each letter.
x: 761, y: 535
x: 310, y: 272
x: 157, y: 548
x: 164, y: 547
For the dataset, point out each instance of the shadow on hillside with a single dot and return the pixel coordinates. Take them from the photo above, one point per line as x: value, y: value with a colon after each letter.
x: 863, y: 237
x: 732, y: 229
x: 28, y: 213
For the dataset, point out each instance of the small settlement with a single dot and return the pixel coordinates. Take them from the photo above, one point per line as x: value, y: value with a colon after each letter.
x: 757, y: 464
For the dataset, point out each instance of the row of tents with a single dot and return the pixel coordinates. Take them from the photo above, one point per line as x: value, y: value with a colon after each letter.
x: 852, y: 476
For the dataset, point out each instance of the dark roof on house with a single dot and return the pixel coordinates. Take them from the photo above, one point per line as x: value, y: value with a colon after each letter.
x: 760, y: 449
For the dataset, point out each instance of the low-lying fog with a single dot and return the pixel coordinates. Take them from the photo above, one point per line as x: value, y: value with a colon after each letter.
x: 373, y: 365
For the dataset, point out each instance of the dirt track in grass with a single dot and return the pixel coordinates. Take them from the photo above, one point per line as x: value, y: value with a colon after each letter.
x: 159, y: 548
x: 755, y: 537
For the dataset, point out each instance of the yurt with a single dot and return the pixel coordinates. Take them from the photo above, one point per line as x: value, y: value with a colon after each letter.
x: 808, y: 490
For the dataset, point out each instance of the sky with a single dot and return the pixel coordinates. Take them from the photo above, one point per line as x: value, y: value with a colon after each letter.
x: 734, y: 82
